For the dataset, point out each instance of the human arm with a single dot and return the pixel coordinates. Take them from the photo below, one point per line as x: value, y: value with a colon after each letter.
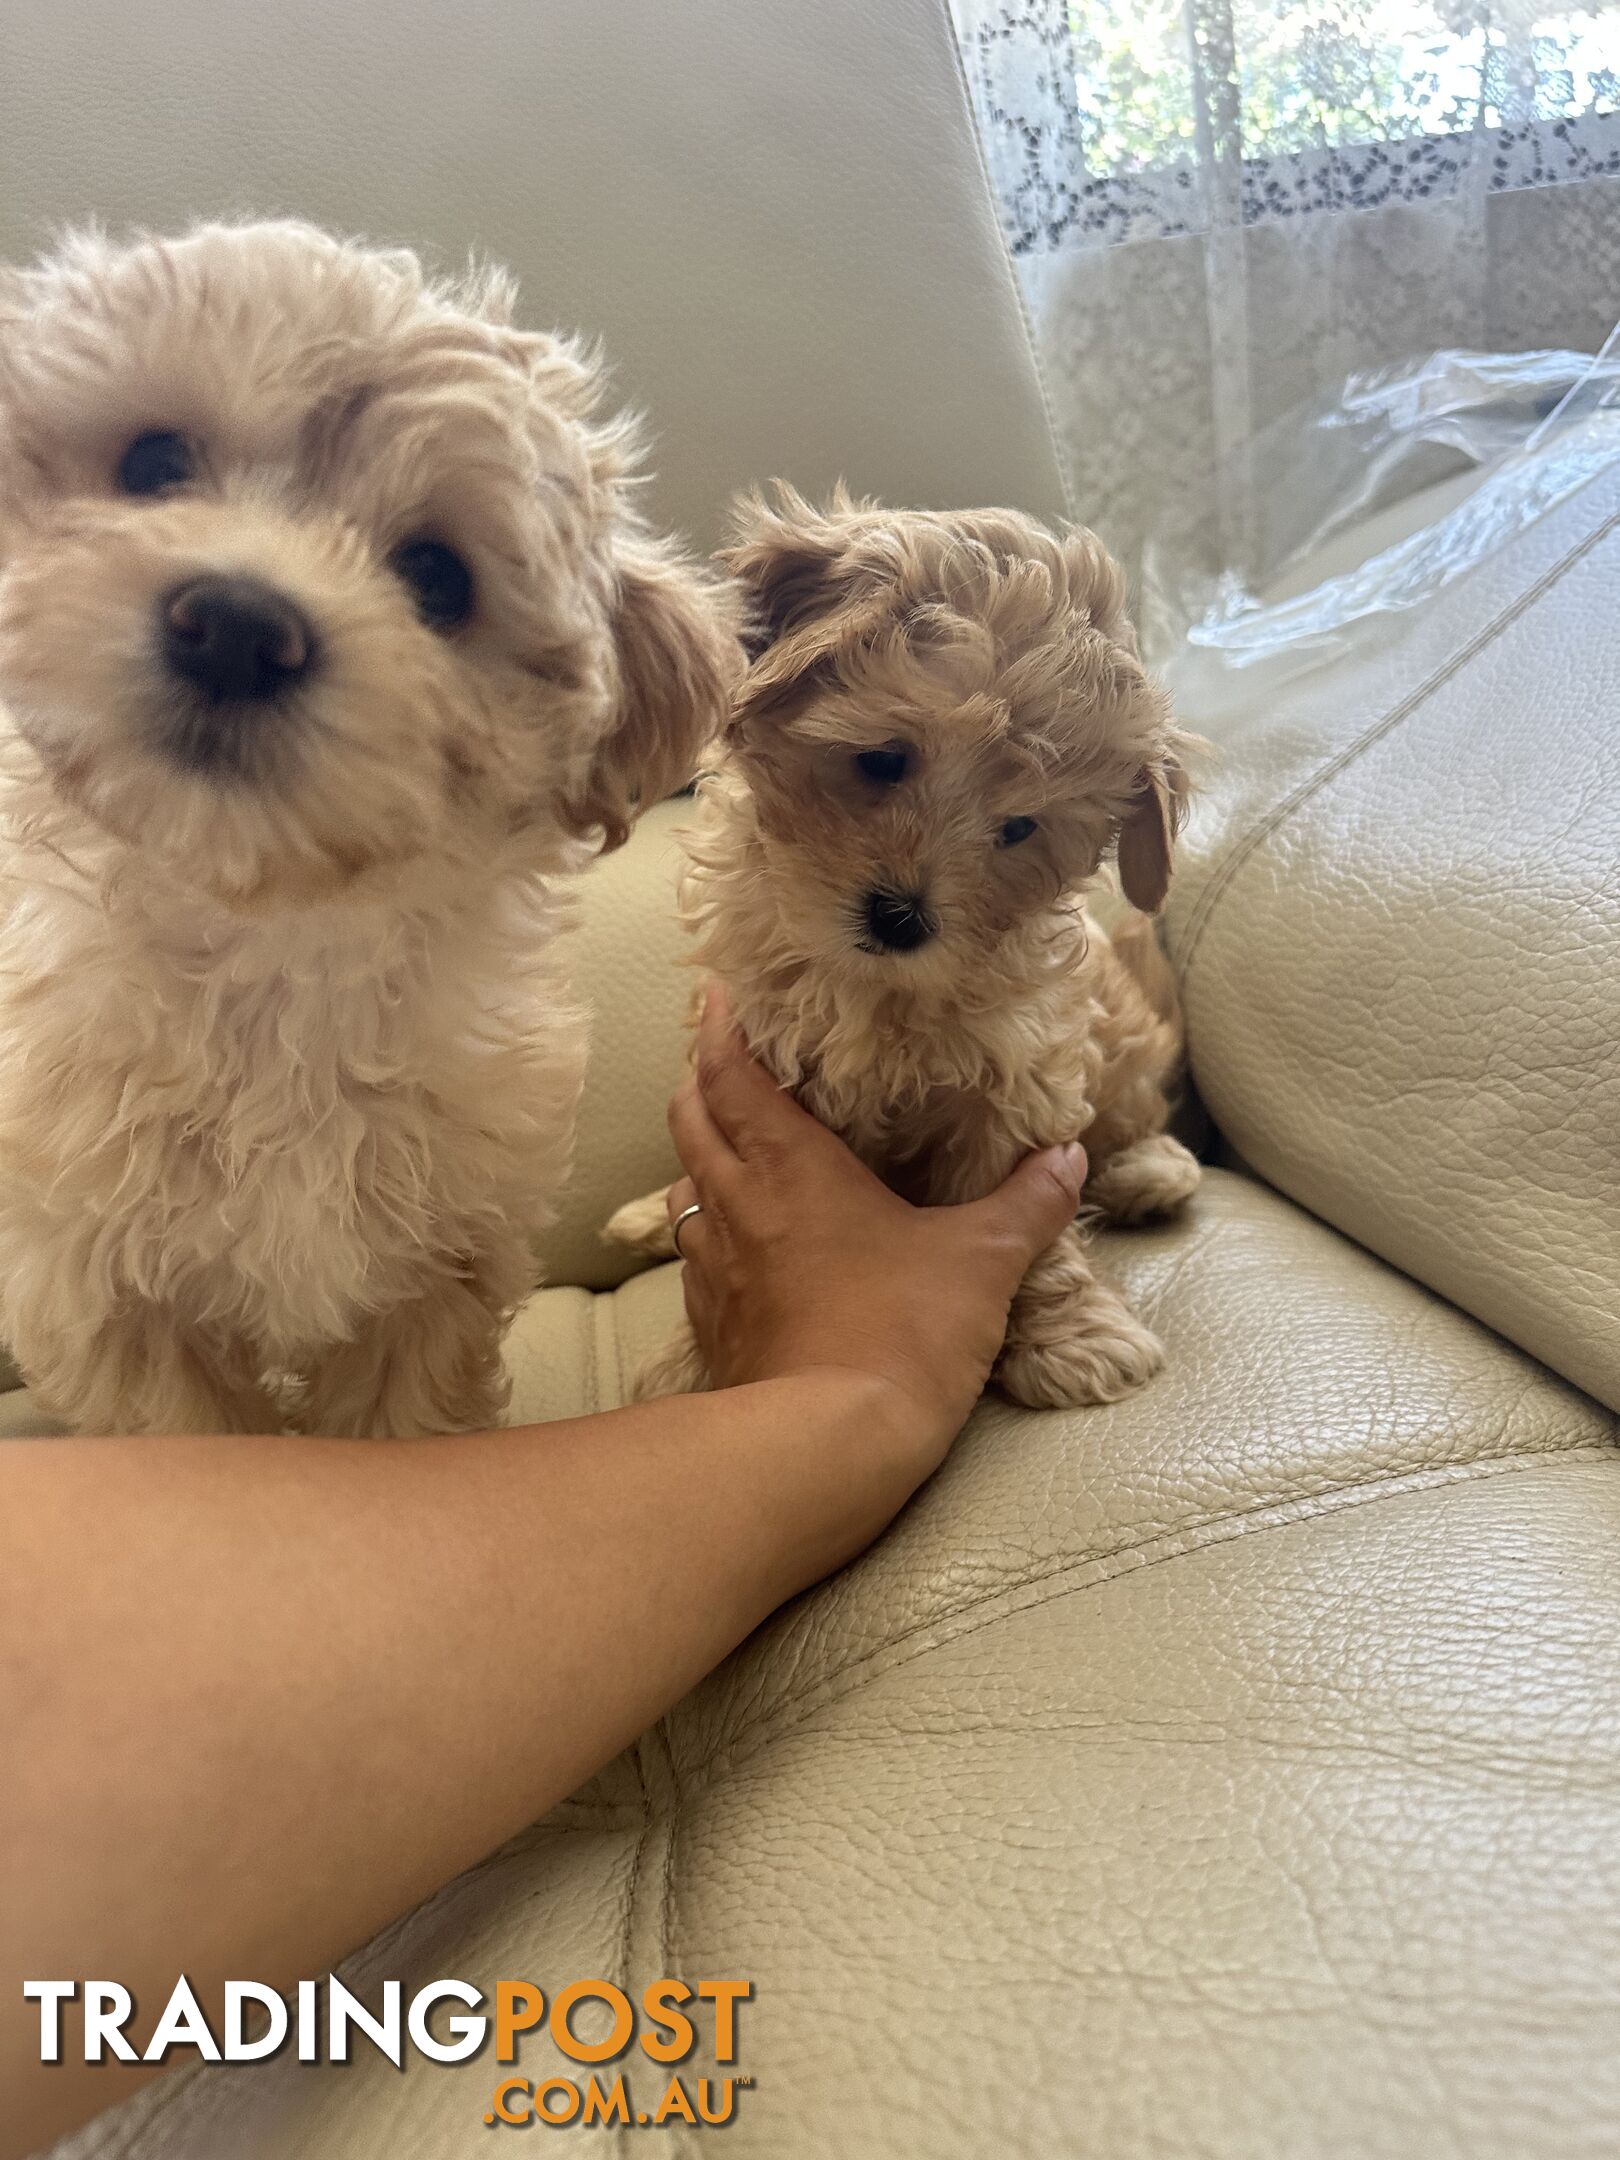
x: 260, y: 1696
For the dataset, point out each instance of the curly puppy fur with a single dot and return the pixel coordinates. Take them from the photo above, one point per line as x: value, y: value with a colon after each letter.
x: 945, y: 731
x: 287, y: 1071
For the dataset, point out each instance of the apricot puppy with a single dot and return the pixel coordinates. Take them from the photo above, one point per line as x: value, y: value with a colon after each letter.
x: 329, y: 642
x: 944, y: 732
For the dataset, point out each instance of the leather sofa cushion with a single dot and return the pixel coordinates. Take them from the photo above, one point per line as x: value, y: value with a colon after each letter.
x: 1398, y: 930
x: 1234, y: 1769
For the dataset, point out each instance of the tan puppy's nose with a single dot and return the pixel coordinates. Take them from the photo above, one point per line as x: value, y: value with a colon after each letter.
x: 899, y: 921
x: 235, y: 639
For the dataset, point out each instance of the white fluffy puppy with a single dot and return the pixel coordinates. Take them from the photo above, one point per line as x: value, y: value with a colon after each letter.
x: 328, y: 638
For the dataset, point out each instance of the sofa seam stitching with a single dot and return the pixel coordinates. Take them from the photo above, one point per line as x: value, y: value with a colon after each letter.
x: 666, y: 1927
x: 1213, y: 1531
x: 1436, y: 681
x: 121, y: 2138
x: 632, y: 1882
x: 666, y: 1967
x: 588, y: 1335
x: 620, y: 1395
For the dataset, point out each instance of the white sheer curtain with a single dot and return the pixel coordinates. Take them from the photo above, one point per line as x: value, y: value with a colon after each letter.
x: 1220, y: 208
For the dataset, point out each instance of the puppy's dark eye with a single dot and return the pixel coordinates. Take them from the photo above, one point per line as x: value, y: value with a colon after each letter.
x: 1015, y: 829
x: 155, y: 462
x: 440, y: 582
x: 887, y: 767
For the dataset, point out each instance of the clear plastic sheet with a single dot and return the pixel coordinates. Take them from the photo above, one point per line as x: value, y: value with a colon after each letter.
x: 1363, y: 510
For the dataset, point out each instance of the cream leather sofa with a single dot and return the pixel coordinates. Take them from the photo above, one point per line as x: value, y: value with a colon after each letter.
x: 1233, y: 1772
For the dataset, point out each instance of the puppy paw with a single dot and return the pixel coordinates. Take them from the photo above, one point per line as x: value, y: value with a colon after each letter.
x: 675, y: 1369
x: 1154, y: 1176
x: 642, y: 1225
x: 1107, y: 1354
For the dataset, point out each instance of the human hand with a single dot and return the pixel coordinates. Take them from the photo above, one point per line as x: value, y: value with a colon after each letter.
x: 803, y: 1261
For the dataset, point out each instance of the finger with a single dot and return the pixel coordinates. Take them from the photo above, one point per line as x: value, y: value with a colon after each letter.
x: 752, y: 1112
x: 681, y: 1195
x: 689, y: 1232
x: 1032, y: 1207
x: 707, y: 1156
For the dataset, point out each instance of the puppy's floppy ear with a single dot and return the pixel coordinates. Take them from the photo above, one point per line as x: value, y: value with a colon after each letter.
x: 783, y: 553
x: 1147, y: 837
x: 678, y: 659
x: 791, y: 561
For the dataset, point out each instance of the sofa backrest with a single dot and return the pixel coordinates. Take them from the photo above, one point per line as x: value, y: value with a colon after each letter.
x: 1398, y: 930
x: 627, y: 959
x: 773, y: 214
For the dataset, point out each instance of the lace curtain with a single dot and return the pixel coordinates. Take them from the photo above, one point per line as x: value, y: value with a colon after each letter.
x: 1220, y: 208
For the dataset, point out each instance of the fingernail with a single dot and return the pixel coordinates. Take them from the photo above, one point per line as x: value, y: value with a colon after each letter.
x: 1074, y: 1156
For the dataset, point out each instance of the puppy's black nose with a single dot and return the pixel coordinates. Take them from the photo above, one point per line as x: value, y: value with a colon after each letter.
x: 898, y: 920
x: 234, y: 638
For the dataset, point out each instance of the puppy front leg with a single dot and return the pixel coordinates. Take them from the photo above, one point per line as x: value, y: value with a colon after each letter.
x: 676, y: 1367
x: 1153, y: 1176
x: 1072, y: 1339
x: 137, y: 1369
x: 431, y: 1364
x: 643, y: 1226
